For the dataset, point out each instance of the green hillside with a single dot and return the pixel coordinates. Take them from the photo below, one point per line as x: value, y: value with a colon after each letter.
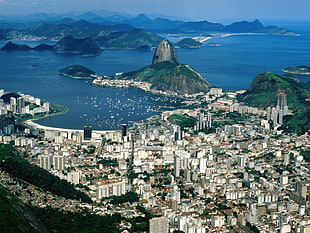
x: 165, y: 76
x: 136, y: 39
x: 263, y: 93
x: 265, y: 87
x: 18, y: 167
x: 78, y: 71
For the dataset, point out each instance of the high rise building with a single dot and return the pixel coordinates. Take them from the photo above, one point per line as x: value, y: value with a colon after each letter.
x: 46, y: 161
x: 282, y: 100
x: 87, y: 132
x: 58, y: 162
x: 111, y: 189
x: 124, y: 130
x: 178, y: 133
x: 20, y: 104
x: 159, y: 225
x: 176, y: 171
x: 302, y: 189
x: 277, y: 113
x: 13, y: 105
x: 209, y: 120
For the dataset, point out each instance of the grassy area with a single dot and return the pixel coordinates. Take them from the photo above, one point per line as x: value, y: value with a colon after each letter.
x: 183, y: 120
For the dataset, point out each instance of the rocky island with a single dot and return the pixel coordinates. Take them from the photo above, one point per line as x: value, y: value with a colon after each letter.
x: 303, y: 70
x: 78, y: 72
x: 188, y: 43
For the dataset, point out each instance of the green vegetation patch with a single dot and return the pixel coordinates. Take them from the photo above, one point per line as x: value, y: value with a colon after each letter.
x: 108, y: 162
x: 77, y: 71
x: 70, y: 222
x: 183, y: 121
x: 306, y: 154
x: 128, y: 197
x: 298, y: 123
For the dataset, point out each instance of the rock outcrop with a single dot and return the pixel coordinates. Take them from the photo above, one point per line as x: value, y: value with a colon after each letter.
x: 167, y: 75
x: 165, y: 51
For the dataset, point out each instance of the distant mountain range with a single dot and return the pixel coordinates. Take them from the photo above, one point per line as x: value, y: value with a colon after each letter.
x: 105, y: 30
x: 117, y: 32
x: 43, y: 26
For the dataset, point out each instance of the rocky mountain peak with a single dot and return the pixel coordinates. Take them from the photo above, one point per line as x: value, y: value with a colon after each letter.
x: 165, y: 51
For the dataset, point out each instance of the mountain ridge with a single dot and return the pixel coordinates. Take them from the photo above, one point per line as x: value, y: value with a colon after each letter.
x: 89, y: 25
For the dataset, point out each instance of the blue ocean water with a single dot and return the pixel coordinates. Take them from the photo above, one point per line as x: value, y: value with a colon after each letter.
x: 232, y: 66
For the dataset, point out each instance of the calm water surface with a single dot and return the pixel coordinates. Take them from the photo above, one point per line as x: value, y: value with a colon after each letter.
x: 231, y: 66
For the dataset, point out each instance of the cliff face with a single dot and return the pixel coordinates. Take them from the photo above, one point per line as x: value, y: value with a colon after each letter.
x: 165, y: 52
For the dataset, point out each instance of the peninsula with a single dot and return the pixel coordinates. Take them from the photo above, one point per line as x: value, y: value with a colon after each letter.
x: 303, y: 70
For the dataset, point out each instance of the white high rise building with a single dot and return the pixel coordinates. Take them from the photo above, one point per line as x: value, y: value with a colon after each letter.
x: 176, y: 171
x: 159, y: 225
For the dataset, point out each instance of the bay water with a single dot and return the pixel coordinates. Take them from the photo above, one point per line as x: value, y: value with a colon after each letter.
x: 231, y: 66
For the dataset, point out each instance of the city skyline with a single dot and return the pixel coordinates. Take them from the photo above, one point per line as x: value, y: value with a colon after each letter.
x: 222, y: 10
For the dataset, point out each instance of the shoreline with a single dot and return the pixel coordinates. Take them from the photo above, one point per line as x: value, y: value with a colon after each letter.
x: 35, y: 125
x: 31, y: 122
x: 203, y: 39
x: 295, y: 72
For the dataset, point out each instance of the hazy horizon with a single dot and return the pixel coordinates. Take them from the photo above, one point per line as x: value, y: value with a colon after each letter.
x: 220, y: 10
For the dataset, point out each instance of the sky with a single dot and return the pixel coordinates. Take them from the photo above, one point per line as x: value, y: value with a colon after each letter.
x: 212, y: 10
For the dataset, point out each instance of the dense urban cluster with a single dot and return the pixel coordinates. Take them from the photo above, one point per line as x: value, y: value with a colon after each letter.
x: 106, y: 81
x: 221, y: 166
x: 22, y: 104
